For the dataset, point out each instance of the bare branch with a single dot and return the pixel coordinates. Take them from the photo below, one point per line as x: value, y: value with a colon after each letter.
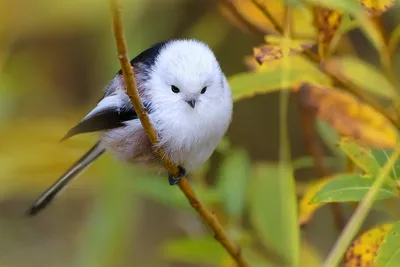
x: 208, y: 217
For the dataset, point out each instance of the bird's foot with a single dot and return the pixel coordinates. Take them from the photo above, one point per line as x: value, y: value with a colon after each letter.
x: 174, y: 180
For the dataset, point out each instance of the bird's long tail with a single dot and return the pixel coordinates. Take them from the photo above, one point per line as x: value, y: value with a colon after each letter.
x: 57, y: 187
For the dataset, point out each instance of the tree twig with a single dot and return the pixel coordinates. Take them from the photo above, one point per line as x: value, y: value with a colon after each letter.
x: 127, y: 71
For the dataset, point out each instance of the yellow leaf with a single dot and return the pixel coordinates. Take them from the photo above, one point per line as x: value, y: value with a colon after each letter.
x: 246, y: 15
x: 306, y: 208
x: 327, y: 21
x: 377, y: 7
x: 362, y: 251
x: 361, y: 74
x: 267, y: 78
x: 274, y: 51
x: 348, y: 116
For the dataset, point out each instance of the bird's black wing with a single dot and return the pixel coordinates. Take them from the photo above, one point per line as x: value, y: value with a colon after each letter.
x: 106, y: 119
x: 111, y: 116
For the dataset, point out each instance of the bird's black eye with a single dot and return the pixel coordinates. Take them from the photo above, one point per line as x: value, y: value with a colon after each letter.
x: 175, y: 89
x: 203, y: 90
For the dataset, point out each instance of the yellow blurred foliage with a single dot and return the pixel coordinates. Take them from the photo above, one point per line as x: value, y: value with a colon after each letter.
x: 362, y: 252
x: 376, y: 7
x: 306, y: 208
x: 348, y: 116
x: 31, y: 156
x: 227, y: 262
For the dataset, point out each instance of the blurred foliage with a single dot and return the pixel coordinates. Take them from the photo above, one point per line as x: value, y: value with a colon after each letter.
x: 338, y: 59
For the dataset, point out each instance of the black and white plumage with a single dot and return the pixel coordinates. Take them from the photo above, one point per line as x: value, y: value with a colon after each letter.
x: 189, y: 103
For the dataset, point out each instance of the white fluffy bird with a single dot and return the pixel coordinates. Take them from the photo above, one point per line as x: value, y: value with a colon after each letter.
x: 189, y: 103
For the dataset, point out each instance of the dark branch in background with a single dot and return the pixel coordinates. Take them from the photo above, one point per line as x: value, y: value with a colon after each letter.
x: 314, y: 148
x: 208, y: 217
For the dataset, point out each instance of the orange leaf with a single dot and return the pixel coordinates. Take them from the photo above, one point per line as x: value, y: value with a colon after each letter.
x: 348, y: 116
x: 307, y: 209
x: 362, y: 251
x: 327, y: 21
x: 376, y: 7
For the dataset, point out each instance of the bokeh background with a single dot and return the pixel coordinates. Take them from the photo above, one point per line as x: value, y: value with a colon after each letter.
x: 55, y: 59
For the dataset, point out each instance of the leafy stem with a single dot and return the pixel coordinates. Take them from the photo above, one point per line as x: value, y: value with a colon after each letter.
x: 360, y: 214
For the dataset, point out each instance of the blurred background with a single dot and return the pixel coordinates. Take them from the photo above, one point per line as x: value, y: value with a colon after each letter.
x: 55, y: 59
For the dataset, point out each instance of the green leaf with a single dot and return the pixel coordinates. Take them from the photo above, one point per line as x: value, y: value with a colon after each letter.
x: 232, y: 182
x: 330, y: 137
x: 389, y: 252
x: 351, y: 7
x: 362, y: 75
x: 351, y: 187
x: 346, y: 25
x: 381, y: 156
x: 267, y: 79
x: 361, y: 156
x: 201, y: 250
x: 270, y: 210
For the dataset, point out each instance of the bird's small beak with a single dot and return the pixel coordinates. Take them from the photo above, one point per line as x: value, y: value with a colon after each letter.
x: 191, y: 102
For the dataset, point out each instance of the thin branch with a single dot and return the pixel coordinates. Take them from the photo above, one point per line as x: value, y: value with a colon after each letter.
x: 127, y: 71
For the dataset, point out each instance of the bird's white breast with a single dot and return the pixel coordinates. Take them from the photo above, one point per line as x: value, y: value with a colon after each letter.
x: 190, y: 136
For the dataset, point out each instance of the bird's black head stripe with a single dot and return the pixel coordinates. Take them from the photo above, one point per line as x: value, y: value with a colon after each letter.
x: 148, y: 56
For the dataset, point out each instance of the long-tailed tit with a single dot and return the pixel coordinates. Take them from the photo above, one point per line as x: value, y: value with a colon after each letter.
x: 189, y: 103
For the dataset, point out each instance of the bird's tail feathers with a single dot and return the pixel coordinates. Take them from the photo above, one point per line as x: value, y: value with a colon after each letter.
x: 64, y: 180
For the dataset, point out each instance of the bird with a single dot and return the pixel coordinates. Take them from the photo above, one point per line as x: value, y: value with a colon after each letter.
x: 189, y: 103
